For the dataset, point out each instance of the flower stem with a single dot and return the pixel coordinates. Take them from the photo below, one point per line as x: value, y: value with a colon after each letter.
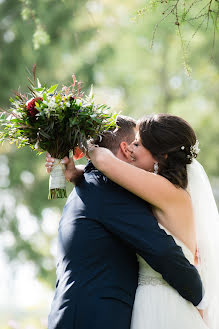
x: 57, y: 193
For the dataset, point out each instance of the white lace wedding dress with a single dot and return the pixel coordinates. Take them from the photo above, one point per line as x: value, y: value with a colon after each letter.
x: 158, y: 305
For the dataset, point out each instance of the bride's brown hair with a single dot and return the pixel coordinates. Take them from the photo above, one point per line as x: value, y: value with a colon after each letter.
x: 169, y: 139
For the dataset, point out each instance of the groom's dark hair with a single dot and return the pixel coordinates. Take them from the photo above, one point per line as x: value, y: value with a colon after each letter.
x: 124, y: 132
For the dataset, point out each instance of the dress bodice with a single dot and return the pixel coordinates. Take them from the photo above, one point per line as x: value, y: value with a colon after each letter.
x: 147, y: 275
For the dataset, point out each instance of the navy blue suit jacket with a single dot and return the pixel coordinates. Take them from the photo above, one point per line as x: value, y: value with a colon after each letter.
x: 102, y: 228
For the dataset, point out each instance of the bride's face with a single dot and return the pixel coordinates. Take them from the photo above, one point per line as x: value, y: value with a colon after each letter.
x: 140, y: 156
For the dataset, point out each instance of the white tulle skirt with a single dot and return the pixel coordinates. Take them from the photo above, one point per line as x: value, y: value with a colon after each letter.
x: 161, y: 307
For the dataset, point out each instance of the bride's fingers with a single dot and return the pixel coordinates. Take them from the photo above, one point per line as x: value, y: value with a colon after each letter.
x: 50, y: 160
x: 201, y: 313
x: 49, y: 163
x: 48, y: 166
x: 91, y: 148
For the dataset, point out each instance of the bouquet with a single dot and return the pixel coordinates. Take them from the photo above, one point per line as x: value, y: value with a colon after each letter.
x: 55, y: 121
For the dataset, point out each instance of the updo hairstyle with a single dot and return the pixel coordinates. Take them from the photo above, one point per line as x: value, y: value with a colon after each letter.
x: 171, y: 140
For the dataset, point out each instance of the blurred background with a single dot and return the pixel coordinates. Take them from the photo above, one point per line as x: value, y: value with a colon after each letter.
x: 105, y: 44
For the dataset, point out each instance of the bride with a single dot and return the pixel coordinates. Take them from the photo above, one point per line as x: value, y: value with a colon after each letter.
x: 166, y: 174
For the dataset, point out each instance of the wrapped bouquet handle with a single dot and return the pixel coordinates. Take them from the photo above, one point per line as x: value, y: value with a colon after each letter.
x: 57, y: 181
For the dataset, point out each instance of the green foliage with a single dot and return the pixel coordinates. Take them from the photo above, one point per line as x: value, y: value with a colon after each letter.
x: 40, y: 37
x: 184, y: 11
x: 56, y: 122
x: 197, y: 13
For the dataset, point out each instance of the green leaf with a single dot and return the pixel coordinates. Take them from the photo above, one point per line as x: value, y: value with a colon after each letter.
x: 3, y: 116
x: 16, y: 120
x: 91, y: 95
x: 44, y: 134
x: 52, y: 89
x: 38, y: 83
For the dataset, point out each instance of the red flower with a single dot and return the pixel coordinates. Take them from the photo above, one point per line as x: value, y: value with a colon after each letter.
x: 31, y: 107
x: 78, y: 154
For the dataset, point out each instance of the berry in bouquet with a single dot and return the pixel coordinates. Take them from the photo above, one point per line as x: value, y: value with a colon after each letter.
x: 55, y: 121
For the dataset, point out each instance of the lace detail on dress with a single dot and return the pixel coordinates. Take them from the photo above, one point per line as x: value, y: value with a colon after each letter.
x: 148, y: 276
x: 149, y: 280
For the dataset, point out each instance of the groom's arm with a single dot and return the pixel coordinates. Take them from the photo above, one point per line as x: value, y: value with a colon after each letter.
x: 128, y: 217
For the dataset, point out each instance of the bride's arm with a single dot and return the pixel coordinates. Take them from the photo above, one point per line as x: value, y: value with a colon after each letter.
x: 152, y: 188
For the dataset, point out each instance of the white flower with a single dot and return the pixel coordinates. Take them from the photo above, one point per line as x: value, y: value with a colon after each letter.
x: 52, y: 104
x: 78, y: 102
x: 68, y: 104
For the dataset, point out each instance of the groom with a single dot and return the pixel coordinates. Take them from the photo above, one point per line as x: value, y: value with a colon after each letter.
x: 102, y: 228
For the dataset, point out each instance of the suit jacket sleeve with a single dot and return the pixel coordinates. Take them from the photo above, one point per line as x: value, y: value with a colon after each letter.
x: 130, y: 219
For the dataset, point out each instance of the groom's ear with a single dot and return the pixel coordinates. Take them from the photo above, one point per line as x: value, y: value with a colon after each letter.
x: 124, y: 150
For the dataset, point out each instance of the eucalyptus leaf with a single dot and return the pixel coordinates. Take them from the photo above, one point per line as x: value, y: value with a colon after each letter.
x: 52, y: 89
x: 2, y: 116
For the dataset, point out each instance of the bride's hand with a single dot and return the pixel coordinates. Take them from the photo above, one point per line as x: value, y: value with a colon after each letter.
x: 72, y: 173
x: 50, y: 162
x: 99, y: 156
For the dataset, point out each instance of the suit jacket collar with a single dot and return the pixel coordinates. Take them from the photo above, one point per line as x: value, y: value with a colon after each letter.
x: 89, y: 167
